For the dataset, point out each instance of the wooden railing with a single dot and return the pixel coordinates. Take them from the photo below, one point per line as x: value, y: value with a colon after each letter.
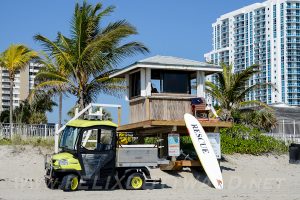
x: 159, y: 108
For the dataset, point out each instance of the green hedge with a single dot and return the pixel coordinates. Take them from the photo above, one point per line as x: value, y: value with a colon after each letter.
x: 244, y: 140
x: 238, y: 139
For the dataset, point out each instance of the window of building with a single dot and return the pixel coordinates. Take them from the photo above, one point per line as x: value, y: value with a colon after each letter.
x: 135, y: 84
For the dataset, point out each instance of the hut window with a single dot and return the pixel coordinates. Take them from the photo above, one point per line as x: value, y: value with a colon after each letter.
x: 176, y: 82
x: 135, y: 84
x: 169, y: 81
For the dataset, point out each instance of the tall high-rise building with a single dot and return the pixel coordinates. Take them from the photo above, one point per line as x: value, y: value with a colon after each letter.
x: 267, y: 34
x: 24, y: 82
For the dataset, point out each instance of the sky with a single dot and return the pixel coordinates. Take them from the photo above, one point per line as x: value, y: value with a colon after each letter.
x: 167, y: 27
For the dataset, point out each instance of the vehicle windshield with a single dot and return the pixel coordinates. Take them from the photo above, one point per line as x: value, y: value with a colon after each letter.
x: 69, y: 138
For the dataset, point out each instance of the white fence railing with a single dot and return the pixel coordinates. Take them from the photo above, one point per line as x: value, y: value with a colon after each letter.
x: 28, y: 130
x: 287, y: 130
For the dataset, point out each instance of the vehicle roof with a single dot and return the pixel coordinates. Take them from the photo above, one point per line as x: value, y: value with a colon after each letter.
x: 88, y: 123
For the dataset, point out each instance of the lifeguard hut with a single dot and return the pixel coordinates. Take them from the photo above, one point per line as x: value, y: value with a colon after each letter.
x: 160, y: 90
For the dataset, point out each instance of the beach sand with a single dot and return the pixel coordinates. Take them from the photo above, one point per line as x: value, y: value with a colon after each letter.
x: 245, y: 177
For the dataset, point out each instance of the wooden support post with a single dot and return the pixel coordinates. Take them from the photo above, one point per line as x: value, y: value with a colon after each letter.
x: 141, y: 138
x: 217, y: 130
x: 164, y: 152
x: 162, y: 144
x: 119, y: 115
x: 147, y: 104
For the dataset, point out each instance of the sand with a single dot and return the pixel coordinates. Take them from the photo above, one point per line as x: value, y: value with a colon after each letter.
x: 245, y: 177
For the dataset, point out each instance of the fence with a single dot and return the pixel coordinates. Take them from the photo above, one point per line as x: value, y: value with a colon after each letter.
x: 287, y: 130
x: 28, y: 130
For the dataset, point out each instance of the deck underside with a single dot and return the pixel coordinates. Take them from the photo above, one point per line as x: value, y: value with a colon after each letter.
x: 153, y: 127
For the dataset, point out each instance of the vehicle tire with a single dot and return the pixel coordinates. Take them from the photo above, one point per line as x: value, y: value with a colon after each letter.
x: 135, y: 181
x: 49, y: 183
x: 69, y: 183
x: 52, y: 184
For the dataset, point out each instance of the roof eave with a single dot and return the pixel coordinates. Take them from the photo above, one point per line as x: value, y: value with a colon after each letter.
x: 208, y: 69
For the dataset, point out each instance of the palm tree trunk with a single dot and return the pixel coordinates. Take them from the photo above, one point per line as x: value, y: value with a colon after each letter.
x: 60, y: 110
x: 81, y: 101
x: 11, y: 105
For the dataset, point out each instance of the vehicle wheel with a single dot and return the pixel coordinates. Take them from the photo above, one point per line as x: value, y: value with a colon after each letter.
x: 69, y: 183
x: 49, y: 184
x: 52, y: 184
x: 135, y: 181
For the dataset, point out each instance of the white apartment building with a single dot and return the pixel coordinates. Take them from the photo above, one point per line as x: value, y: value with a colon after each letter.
x: 267, y: 34
x: 24, y: 82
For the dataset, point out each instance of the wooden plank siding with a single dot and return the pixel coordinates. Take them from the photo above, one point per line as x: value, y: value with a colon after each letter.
x: 138, y: 110
x: 158, y: 108
x: 169, y: 109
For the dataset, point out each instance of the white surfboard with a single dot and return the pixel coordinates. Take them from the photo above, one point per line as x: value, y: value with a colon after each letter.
x: 204, y: 150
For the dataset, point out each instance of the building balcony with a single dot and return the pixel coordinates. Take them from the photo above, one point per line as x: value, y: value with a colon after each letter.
x: 293, y: 28
x: 292, y: 21
x: 294, y: 67
x: 239, y: 40
x: 293, y: 41
x: 293, y: 35
x: 236, y: 34
x: 237, y: 21
x: 294, y: 73
x: 292, y: 14
x: 259, y: 27
x: 5, y: 86
x: 292, y: 7
x: 293, y: 60
x: 293, y: 85
x: 293, y: 91
x: 5, y: 98
x: 240, y: 28
x: 294, y: 97
x: 293, y: 47
x: 259, y: 34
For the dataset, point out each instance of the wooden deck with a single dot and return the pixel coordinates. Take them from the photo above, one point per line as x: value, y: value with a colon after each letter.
x: 179, y: 164
x: 150, y: 127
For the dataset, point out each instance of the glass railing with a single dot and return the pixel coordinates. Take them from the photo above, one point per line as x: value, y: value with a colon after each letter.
x: 293, y: 21
x: 293, y: 27
x: 297, y: 7
x: 293, y: 34
x: 293, y: 41
x: 293, y: 72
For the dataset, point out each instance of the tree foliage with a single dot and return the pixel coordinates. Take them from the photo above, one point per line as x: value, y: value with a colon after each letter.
x: 31, y: 111
x: 90, y: 55
x: 230, y: 91
x: 15, y: 58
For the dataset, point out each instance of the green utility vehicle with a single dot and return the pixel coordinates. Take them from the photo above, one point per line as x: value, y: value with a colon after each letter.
x: 90, y: 158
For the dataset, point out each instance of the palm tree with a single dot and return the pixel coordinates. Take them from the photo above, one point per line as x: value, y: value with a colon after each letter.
x: 33, y: 109
x: 14, y: 59
x: 91, y: 53
x: 53, y: 77
x: 231, y: 89
x: 261, y: 118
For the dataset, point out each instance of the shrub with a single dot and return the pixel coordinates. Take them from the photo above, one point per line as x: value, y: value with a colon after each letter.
x: 5, y: 141
x: 34, y: 141
x: 244, y: 140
